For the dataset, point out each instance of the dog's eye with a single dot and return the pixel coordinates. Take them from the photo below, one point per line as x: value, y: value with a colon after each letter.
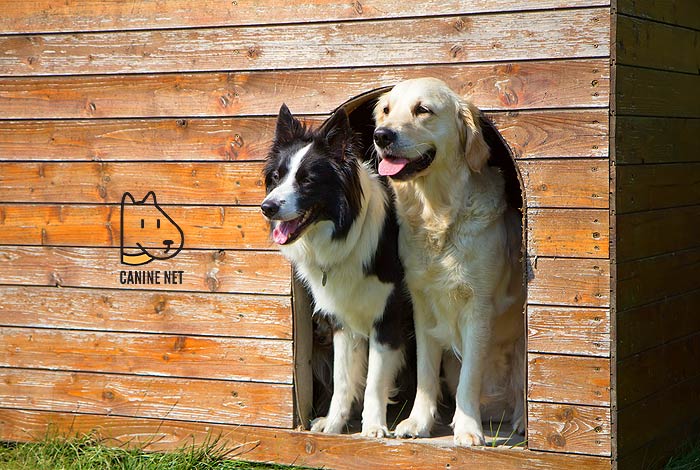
x: 386, y: 109
x: 421, y: 109
x: 275, y: 176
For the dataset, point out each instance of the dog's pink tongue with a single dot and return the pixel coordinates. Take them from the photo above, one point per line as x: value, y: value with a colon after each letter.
x: 389, y: 167
x: 283, y: 230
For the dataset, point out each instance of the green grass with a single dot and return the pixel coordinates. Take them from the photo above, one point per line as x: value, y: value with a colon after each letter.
x: 89, y: 453
x: 688, y: 458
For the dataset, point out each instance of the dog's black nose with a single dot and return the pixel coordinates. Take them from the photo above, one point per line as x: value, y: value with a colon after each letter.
x: 270, y: 208
x: 383, y: 137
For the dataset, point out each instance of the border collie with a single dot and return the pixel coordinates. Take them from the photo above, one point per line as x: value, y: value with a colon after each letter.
x: 333, y: 218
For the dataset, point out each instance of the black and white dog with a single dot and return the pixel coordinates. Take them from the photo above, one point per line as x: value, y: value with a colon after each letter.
x: 333, y: 218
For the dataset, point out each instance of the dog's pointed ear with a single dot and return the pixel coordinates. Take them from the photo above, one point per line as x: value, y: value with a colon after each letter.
x: 288, y: 127
x: 337, y: 132
x: 476, y: 150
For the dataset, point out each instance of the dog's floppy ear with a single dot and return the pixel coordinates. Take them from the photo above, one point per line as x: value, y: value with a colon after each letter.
x: 337, y: 133
x: 288, y: 127
x: 476, y: 150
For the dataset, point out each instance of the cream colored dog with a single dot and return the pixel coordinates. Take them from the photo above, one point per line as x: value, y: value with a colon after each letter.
x: 460, y: 244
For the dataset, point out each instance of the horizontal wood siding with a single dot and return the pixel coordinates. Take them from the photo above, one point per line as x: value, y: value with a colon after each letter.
x: 97, y: 99
x: 657, y: 195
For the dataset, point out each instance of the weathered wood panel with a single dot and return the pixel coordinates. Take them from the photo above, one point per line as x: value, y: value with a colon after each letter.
x: 246, y: 272
x: 646, y: 234
x: 531, y: 134
x: 570, y: 282
x: 72, y: 15
x: 536, y: 84
x: 657, y: 323
x: 649, y: 187
x: 515, y: 36
x: 651, y: 279
x: 207, y: 401
x: 580, y: 233
x: 679, y: 12
x: 566, y: 330
x: 207, y: 357
x: 566, y: 183
x: 656, y: 140
x: 568, y: 379
x: 222, y: 228
x: 647, y: 92
x: 569, y: 428
x: 644, y: 43
x: 657, y: 369
x: 290, y: 447
x: 147, y: 312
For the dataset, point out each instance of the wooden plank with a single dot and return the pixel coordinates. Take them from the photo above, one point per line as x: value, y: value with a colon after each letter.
x: 173, y: 183
x: 147, y: 312
x: 646, y: 92
x: 222, y: 228
x: 531, y: 134
x: 568, y: 379
x: 656, y: 453
x: 566, y: 330
x: 658, y: 416
x: 645, y: 234
x: 566, y: 183
x: 644, y: 43
x: 570, y: 282
x: 303, y: 355
x: 208, y: 401
x: 657, y: 323
x: 569, y: 428
x: 245, y: 272
x: 649, y: 187
x: 209, y: 357
x: 657, y: 369
x: 678, y: 12
x: 531, y: 35
x: 648, y: 280
x: 532, y: 84
x: 289, y: 447
x: 581, y: 233
x: 656, y: 140
x: 93, y: 15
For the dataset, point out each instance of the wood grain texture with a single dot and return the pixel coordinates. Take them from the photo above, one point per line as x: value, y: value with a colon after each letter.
x: 649, y: 187
x: 650, y: 279
x: 531, y: 134
x: 147, y: 354
x: 246, y: 272
x: 646, y: 234
x: 644, y: 43
x: 505, y: 86
x: 290, y: 447
x: 93, y: 15
x: 657, y: 452
x: 569, y: 428
x: 568, y: 379
x: 568, y: 282
x: 182, y: 313
x: 514, y: 36
x: 206, y: 401
x: 303, y: 354
x: 562, y: 330
x: 657, y: 323
x: 678, y: 12
x: 581, y: 233
x: 566, y: 183
x: 657, y: 369
x: 656, y: 140
x: 174, y: 183
x: 646, y: 92
x: 222, y: 228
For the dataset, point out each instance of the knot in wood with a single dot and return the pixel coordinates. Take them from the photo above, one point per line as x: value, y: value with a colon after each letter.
x: 557, y: 440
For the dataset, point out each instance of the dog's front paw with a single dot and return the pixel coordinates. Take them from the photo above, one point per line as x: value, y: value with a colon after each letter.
x: 410, y: 427
x: 375, y: 430
x: 329, y: 426
x: 469, y: 439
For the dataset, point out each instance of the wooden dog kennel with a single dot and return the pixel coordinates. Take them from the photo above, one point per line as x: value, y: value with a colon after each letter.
x: 597, y: 101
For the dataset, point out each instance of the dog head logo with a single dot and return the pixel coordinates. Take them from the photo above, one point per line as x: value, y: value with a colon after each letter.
x: 147, y: 232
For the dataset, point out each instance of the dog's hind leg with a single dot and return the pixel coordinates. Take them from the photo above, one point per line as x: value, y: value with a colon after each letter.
x: 349, y: 365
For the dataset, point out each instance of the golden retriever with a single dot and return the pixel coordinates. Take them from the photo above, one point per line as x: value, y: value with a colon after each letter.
x: 460, y: 244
